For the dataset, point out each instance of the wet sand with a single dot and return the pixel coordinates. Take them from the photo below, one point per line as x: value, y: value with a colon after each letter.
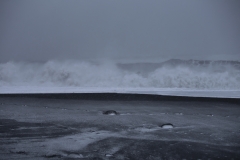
x: 76, y: 126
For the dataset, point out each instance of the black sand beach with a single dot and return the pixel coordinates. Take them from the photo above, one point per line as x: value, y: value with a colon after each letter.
x: 76, y: 126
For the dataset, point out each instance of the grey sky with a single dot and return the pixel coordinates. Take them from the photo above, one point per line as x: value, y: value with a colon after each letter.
x: 34, y: 30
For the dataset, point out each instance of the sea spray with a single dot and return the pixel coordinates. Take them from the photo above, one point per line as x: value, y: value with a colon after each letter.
x: 222, y: 75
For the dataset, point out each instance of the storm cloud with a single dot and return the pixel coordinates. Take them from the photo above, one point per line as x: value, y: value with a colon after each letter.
x: 137, y: 30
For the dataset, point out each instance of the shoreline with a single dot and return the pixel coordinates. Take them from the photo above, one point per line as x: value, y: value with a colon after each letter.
x: 119, y: 97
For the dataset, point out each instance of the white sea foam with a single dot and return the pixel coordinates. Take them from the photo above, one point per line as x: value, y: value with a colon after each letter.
x: 86, y: 74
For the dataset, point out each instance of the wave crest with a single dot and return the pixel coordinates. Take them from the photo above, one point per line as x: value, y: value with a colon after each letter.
x: 170, y: 74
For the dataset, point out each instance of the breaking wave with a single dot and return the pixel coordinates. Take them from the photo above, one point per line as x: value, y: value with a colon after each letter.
x: 190, y: 74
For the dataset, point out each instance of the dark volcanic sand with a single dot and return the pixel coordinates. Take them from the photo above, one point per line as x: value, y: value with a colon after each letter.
x: 68, y: 127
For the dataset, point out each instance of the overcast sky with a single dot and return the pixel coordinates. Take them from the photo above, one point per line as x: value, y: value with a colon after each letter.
x: 137, y: 30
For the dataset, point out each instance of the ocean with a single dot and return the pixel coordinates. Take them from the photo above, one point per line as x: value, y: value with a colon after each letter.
x: 172, y: 77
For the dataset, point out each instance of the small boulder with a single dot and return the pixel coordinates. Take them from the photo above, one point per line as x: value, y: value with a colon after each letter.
x: 110, y: 112
x: 167, y: 126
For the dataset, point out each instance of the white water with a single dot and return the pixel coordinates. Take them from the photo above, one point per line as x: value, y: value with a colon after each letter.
x: 110, y: 75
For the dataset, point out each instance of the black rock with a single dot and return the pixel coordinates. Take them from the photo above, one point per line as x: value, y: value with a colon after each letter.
x: 110, y: 112
x: 166, y: 126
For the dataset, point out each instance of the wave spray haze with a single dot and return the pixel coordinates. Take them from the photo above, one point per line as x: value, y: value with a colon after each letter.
x: 190, y: 74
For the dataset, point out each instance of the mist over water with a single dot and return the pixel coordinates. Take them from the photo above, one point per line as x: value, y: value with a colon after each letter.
x: 133, y: 31
x: 207, y: 75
